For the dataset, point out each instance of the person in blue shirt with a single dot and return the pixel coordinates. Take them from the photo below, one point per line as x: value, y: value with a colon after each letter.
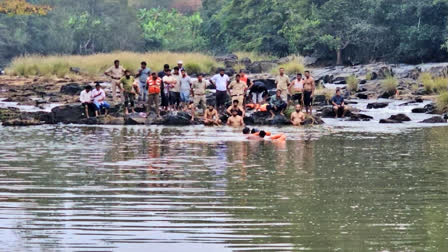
x: 276, y: 104
x: 338, y: 104
x: 142, y: 75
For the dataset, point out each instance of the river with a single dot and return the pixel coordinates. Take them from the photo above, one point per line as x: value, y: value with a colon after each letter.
x: 137, y: 188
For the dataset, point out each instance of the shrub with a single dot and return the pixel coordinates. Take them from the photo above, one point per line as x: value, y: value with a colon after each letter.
x: 440, y: 85
x: 193, y: 68
x: 239, y: 67
x: 328, y: 93
x: 427, y: 81
x: 352, y: 83
x: 442, y: 101
x: 291, y: 68
x: 390, y: 84
x: 369, y: 76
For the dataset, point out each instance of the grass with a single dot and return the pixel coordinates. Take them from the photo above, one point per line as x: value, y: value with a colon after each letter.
x: 291, y: 68
x: 254, y: 56
x: 94, y: 65
x: 369, y: 76
x: 352, y: 83
x: 327, y: 92
x: 442, y: 101
x: 390, y: 84
x: 432, y: 84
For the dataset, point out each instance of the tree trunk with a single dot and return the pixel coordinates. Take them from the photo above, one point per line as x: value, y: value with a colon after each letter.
x: 338, y: 57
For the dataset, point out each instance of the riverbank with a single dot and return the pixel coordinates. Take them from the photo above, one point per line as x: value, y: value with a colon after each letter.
x: 43, y: 100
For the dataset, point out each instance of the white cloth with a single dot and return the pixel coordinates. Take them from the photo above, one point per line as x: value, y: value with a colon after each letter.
x: 221, y: 82
x: 85, y: 97
x: 98, y: 95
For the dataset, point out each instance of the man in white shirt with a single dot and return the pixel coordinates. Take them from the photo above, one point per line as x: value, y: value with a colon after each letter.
x: 87, y: 100
x: 99, y: 97
x: 168, y: 82
x: 220, y: 81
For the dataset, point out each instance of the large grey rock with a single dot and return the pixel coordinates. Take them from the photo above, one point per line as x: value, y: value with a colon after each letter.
x: 72, y: 113
x: 72, y: 89
x: 377, y: 105
x: 260, y: 66
x: 435, y: 119
x: 400, y: 117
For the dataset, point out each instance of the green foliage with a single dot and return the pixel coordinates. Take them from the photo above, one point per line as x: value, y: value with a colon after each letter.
x: 369, y: 76
x: 389, y: 84
x: 442, y: 101
x: 440, y: 85
x: 433, y: 85
x: 352, y: 83
x: 427, y: 81
x: 193, y: 68
x: 291, y: 68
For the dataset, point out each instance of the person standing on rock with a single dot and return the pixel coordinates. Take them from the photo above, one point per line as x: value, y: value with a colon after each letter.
x: 237, y: 89
x: 308, y: 92
x: 99, y: 99
x: 276, y: 104
x: 130, y: 88
x: 164, y: 94
x: 185, y: 89
x: 168, y: 82
x: 220, y: 81
x: 154, y: 82
x: 115, y: 72
x: 338, y: 104
x: 175, y: 90
x: 143, y: 75
x: 296, y: 90
x: 198, y: 91
x: 87, y: 100
x: 282, y: 83
x: 297, y: 117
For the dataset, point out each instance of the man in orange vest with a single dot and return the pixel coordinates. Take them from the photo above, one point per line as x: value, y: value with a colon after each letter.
x: 154, y: 83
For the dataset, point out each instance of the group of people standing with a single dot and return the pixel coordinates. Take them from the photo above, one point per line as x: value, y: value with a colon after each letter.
x: 174, y: 90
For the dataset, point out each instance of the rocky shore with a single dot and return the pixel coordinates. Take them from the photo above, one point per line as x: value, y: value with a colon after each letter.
x: 56, y: 100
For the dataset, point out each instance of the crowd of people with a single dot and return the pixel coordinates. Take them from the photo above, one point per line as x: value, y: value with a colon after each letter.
x: 174, y: 90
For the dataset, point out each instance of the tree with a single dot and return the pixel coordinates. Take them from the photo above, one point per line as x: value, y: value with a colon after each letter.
x: 21, y: 7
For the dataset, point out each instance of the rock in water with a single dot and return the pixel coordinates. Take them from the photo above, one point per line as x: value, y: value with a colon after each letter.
x: 400, y: 118
x: 435, y: 119
x: 177, y: 119
x: 71, y: 89
x: 419, y: 110
x: 68, y: 114
x: 377, y: 105
x: 134, y: 119
x: 362, y: 96
x: 328, y: 112
x: 389, y: 121
x: 20, y: 122
x: 359, y: 117
x: 313, y: 120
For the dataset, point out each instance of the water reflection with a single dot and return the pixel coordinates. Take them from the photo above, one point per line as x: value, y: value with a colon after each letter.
x: 129, y: 188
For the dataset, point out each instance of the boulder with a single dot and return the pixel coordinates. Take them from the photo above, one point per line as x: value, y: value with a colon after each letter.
x: 320, y: 100
x: 384, y: 72
x: 22, y: 122
x: 362, y: 96
x: 263, y: 118
x: 245, y: 61
x: 229, y: 60
x: 309, y: 60
x: 269, y: 84
x: 400, y: 117
x: 313, y: 120
x: 176, y: 119
x: 328, y: 112
x: 387, y: 94
x: 377, y: 105
x: 261, y: 66
x: 419, y: 110
x: 385, y: 121
x: 359, y: 117
x: 134, y: 119
x: 431, y: 109
x: 72, y: 113
x: 75, y: 70
x: 435, y: 119
x: 71, y: 89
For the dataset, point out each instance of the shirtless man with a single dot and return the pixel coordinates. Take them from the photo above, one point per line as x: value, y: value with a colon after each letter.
x: 308, y: 92
x: 236, y: 106
x: 235, y: 120
x: 211, y: 116
x: 297, y: 117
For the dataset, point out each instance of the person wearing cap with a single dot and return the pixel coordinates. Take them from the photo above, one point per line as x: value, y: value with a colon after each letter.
x: 237, y: 89
x: 115, y: 72
x: 220, y: 81
x: 99, y: 97
x: 154, y: 83
x: 180, y: 65
x: 86, y: 100
x: 143, y: 75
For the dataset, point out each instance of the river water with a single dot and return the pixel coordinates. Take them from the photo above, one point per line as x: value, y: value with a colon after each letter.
x: 329, y: 188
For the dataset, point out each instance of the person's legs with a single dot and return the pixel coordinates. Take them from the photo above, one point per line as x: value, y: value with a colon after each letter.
x: 132, y: 102
x: 178, y: 100
x: 86, y: 109
x: 282, y: 108
x: 97, y: 108
x: 106, y: 107
x: 114, y: 90
x: 336, y: 111
x: 143, y: 92
x: 172, y: 100
x: 344, y: 110
x: 271, y: 110
x: 126, y: 103
x: 150, y: 103
x: 157, y: 104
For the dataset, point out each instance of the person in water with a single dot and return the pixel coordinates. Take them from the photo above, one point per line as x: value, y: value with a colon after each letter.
x: 211, y: 117
x: 298, y: 117
x: 266, y: 136
x: 236, y: 106
x: 338, y: 104
x: 235, y: 120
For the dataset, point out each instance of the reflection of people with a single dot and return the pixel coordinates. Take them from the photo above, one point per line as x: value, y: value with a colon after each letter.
x: 338, y: 104
x: 211, y: 116
x: 235, y: 120
x: 297, y: 117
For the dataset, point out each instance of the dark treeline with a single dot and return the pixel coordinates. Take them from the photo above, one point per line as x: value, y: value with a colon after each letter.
x: 341, y: 31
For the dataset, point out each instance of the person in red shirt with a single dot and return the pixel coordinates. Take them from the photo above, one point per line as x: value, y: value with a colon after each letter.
x: 153, y: 82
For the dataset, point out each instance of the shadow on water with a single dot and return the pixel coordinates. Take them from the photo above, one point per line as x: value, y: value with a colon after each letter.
x: 133, y: 188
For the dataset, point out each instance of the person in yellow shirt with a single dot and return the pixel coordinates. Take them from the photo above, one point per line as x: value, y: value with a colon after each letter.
x: 282, y: 83
x: 237, y: 89
x: 115, y: 72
